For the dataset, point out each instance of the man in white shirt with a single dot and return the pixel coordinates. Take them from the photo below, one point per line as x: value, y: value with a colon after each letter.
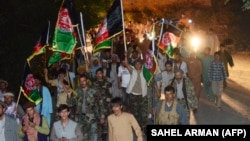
x: 180, y: 64
x: 123, y: 80
x: 13, y: 110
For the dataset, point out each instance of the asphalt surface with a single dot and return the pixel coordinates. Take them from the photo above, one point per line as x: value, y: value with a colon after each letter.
x: 235, y: 98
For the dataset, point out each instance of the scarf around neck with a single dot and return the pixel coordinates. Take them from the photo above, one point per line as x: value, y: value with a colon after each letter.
x: 31, y: 131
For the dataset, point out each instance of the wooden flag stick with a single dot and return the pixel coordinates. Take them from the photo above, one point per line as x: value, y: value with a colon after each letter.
x: 18, y: 98
x: 124, y: 31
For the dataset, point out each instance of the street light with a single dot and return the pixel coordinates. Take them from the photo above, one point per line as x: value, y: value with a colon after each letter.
x: 190, y: 21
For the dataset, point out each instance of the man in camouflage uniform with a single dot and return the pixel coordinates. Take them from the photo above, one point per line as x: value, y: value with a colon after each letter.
x: 138, y: 93
x: 89, y: 109
x: 185, y: 93
x: 105, y: 96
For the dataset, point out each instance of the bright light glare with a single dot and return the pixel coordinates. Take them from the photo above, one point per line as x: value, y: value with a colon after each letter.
x: 195, y: 42
x: 190, y: 21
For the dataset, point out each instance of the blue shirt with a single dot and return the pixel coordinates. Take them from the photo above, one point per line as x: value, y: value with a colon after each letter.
x: 179, y: 109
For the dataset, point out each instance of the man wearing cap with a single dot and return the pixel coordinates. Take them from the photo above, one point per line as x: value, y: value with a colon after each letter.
x: 106, y: 70
x: 82, y: 70
x: 34, y: 126
x: 3, y: 88
x: 93, y: 67
x: 13, y: 109
x: 8, y: 125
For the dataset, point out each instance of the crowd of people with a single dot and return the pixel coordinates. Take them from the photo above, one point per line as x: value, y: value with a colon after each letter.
x: 108, y: 98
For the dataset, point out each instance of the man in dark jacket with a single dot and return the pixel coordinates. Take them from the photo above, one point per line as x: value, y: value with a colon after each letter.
x: 226, y: 58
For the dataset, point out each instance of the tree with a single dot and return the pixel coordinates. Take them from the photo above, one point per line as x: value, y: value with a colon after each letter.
x: 245, y: 6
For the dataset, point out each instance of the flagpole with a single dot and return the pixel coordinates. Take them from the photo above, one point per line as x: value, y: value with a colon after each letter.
x: 47, y: 45
x: 175, y: 27
x: 83, y: 52
x: 18, y: 99
x: 47, y: 39
x: 162, y: 25
x: 123, y: 27
x: 112, y: 49
x: 83, y: 36
x: 153, y: 40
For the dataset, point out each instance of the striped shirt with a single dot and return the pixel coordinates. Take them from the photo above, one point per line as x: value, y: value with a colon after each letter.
x: 217, y: 71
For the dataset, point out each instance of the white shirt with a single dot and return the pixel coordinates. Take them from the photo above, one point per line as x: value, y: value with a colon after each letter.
x: 162, y: 59
x: 166, y: 79
x: 183, y: 67
x: 125, y: 76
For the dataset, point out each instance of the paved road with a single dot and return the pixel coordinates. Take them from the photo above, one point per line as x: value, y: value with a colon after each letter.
x: 235, y: 98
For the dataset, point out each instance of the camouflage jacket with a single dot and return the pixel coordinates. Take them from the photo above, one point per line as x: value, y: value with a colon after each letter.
x: 188, y: 91
x: 104, y: 95
x: 93, y: 108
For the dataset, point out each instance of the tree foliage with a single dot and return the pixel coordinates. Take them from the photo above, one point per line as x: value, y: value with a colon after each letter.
x: 244, y: 7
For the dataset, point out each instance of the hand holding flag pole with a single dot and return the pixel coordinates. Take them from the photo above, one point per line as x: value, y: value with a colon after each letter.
x: 18, y: 99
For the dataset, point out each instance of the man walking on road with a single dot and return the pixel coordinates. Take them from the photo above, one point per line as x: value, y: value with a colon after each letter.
x: 185, y: 93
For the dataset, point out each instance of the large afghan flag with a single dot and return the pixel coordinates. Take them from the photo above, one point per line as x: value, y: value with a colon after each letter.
x: 41, y: 44
x: 64, y: 37
x: 111, y: 25
x: 169, y: 40
x: 28, y: 87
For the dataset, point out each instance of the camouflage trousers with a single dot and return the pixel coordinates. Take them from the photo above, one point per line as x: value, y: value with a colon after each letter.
x: 89, y: 127
x: 139, y: 108
x: 103, y: 131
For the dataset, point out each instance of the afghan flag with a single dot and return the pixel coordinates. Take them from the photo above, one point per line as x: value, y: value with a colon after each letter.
x: 111, y: 25
x: 150, y: 66
x: 28, y: 87
x: 64, y: 37
x: 57, y: 57
x: 169, y: 40
x: 41, y: 44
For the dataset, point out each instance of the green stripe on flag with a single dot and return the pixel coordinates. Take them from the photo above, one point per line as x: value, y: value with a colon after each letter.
x: 63, y: 41
x: 147, y: 75
x: 57, y: 57
x: 104, y: 45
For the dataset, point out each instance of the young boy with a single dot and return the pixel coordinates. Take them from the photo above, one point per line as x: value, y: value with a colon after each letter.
x: 120, y: 123
x: 65, y: 129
